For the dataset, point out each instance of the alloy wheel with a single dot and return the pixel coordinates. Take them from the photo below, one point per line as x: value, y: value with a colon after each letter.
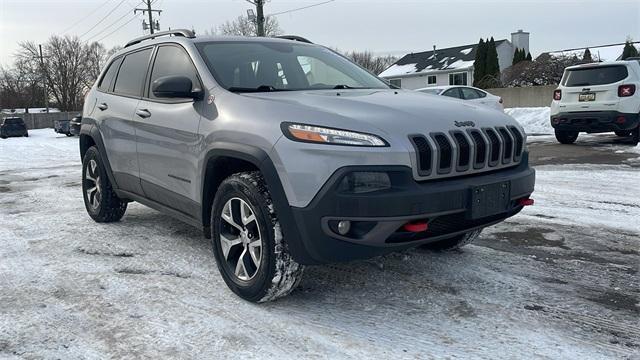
x: 93, y: 188
x: 240, y: 239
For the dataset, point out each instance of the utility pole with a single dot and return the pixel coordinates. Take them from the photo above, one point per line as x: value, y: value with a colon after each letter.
x: 260, y: 15
x: 44, y: 79
x: 152, y: 26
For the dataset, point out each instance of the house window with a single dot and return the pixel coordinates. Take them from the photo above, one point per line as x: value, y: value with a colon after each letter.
x: 396, y: 82
x: 431, y: 79
x: 458, y: 78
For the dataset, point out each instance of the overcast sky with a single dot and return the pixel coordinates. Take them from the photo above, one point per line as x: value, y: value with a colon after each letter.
x: 392, y: 26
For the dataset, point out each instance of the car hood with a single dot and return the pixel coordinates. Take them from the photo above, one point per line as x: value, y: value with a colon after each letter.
x: 392, y: 111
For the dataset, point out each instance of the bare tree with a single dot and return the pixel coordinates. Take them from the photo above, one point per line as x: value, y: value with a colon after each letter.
x: 68, y: 66
x: 243, y: 26
x: 546, y: 69
x: 366, y: 59
x: 20, y: 86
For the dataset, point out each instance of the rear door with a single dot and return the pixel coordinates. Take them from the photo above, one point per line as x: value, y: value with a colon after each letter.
x: 453, y: 92
x: 592, y: 88
x: 167, y: 136
x: 115, y: 107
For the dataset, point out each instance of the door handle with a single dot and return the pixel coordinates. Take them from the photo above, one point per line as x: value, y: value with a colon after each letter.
x: 103, y: 106
x: 143, y: 113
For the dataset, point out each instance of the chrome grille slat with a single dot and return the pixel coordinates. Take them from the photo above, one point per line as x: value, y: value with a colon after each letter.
x: 461, y: 152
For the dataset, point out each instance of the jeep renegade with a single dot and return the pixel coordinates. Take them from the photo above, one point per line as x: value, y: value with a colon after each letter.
x: 596, y: 98
x: 287, y: 154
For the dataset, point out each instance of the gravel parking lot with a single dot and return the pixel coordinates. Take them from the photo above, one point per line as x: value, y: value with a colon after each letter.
x: 560, y: 280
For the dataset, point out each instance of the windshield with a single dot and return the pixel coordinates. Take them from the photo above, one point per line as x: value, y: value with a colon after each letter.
x: 599, y: 75
x: 279, y: 66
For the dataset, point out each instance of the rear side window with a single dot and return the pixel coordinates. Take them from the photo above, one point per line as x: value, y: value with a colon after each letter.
x: 470, y: 94
x: 454, y: 93
x: 132, y: 73
x: 107, y: 79
x: 172, y: 60
x: 599, y: 75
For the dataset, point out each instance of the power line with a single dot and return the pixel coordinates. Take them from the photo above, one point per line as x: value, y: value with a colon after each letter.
x: 85, y: 17
x: 104, y: 18
x: 118, y: 28
x: 110, y: 25
x: 301, y: 8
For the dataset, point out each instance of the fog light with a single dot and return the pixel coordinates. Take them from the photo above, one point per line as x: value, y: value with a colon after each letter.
x: 620, y: 120
x: 344, y: 227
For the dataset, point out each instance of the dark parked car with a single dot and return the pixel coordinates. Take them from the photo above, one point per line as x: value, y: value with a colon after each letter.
x: 13, y: 127
x: 74, y: 125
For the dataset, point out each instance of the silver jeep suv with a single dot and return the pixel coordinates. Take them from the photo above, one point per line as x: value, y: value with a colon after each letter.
x: 287, y: 154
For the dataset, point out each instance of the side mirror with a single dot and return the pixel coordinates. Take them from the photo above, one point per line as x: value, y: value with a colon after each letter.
x: 175, y: 86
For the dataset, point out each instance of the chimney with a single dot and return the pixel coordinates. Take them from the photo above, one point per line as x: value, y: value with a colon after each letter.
x: 520, y: 40
x: 435, y: 54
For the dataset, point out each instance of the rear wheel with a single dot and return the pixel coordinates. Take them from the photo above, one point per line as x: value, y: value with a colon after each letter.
x: 251, y: 254
x: 635, y: 135
x: 453, y: 243
x: 566, y: 137
x: 623, y: 133
x: 101, y: 202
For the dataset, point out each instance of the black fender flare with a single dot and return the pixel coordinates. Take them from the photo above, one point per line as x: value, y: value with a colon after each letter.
x: 261, y: 160
x: 92, y: 131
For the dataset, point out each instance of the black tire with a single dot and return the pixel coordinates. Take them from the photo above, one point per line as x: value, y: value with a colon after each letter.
x: 453, y: 243
x: 276, y: 274
x: 26, y: 135
x: 623, y: 133
x: 635, y: 135
x: 69, y: 134
x: 108, y: 207
x: 566, y: 137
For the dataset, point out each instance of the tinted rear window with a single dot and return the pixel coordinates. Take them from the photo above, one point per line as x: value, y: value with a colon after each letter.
x: 105, y: 83
x: 13, y: 121
x: 132, y: 73
x: 599, y: 75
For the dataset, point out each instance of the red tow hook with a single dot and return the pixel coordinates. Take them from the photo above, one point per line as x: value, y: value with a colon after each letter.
x: 416, y: 227
x: 526, y: 202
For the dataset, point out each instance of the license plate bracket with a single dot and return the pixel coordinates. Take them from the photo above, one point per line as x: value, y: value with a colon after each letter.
x: 490, y: 199
x: 587, y: 96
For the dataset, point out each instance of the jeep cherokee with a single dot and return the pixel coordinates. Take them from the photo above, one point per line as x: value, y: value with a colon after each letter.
x: 287, y: 154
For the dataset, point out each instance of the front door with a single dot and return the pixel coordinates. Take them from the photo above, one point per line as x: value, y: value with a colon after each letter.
x: 167, y: 137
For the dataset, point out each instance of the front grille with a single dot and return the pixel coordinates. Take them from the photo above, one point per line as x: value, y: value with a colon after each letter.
x: 461, y: 152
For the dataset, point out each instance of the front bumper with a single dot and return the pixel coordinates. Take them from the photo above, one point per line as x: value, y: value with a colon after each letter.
x: 594, y: 121
x: 378, y: 218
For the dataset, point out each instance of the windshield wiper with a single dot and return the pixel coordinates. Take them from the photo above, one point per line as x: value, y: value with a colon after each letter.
x: 342, y: 86
x: 261, y: 88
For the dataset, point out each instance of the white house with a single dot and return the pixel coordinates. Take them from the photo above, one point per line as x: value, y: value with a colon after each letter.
x: 450, y: 66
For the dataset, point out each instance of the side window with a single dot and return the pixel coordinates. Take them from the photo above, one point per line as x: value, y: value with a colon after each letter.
x: 454, y: 93
x: 396, y: 82
x: 132, y: 73
x: 172, y: 60
x: 469, y: 94
x: 107, y: 79
x: 431, y: 79
x: 481, y: 94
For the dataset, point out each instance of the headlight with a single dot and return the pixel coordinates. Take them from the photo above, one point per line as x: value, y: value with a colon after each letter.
x: 323, y: 135
x: 364, y: 182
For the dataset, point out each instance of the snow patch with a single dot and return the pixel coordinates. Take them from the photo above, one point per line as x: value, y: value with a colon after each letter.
x: 396, y: 70
x: 534, y: 120
x: 466, y: 51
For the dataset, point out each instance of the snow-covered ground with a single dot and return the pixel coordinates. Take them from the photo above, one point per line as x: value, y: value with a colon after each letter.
x: 559, y: 280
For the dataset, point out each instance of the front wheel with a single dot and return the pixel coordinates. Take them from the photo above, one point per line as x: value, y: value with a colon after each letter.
x: 248, y: 245
x: 101, y: 202
x: 635, y: 135
x: 455, y: 242
x: 566, y: 137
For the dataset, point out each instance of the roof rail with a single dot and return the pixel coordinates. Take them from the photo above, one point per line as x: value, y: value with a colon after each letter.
x: 179, y: 32
x: 294, y: 38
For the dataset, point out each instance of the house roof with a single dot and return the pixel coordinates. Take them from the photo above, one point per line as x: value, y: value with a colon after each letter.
x: 459, y: 57
x: 598, y: 53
